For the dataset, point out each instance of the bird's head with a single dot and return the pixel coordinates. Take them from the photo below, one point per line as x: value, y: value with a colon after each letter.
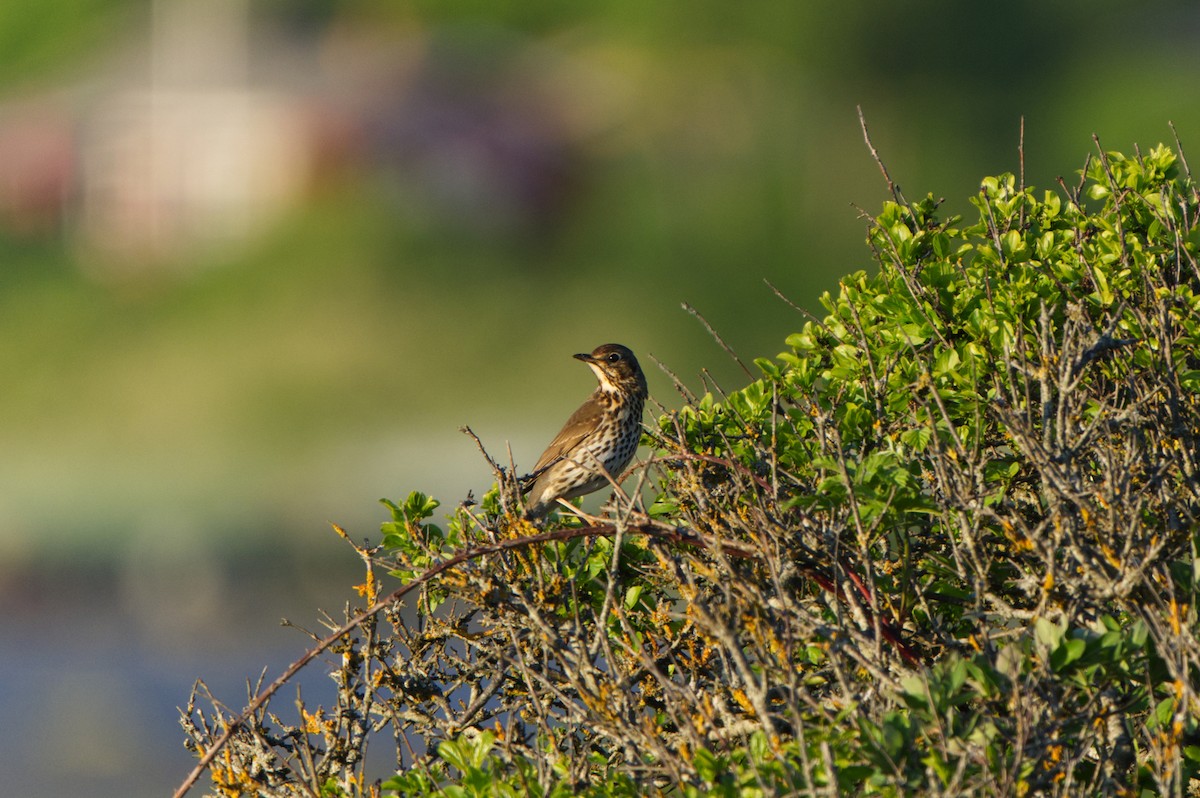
x: 617, y: 369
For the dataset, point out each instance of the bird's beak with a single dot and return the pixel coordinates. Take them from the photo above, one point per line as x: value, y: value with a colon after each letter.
x: 586, y: 358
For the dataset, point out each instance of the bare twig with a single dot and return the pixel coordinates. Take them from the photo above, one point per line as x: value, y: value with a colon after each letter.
x: 789, y: 302
x: 893, y: 189
x: 716, y: 337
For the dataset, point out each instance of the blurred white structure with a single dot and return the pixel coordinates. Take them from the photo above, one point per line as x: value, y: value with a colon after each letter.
x: 166, y: 169
x: 209, y: 129
x: 195, y: 156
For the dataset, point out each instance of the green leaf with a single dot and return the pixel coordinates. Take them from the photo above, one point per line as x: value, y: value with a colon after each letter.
x: 1164, y: 711
x: 1047, y: 633
x: 1069, y: 651
x: 706, y: 764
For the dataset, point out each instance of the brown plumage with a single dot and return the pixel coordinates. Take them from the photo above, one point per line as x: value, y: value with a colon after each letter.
x: 598, y: 440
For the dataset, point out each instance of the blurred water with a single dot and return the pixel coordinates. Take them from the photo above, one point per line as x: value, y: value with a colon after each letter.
x: 90, y: 682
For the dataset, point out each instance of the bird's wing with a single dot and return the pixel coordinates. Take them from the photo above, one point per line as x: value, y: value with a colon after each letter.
x: 581, y: 424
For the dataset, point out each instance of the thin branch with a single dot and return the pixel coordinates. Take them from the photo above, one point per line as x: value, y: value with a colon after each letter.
x: 1179, y: 150
x: 789, y: 302
x: 893, y: 189
x: 1021, y: 158
x: 683, y: 390
x: 718, y: 338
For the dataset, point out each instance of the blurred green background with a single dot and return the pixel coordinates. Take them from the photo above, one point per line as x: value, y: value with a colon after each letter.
x: 260, y: 260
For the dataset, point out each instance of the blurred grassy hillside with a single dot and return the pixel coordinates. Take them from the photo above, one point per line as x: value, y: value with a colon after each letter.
x: 327, y: 355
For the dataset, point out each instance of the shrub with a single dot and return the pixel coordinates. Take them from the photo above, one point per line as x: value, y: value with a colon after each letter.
x: 944, y: 545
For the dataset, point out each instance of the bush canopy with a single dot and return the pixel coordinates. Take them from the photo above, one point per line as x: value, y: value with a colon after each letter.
x: 944, y: 544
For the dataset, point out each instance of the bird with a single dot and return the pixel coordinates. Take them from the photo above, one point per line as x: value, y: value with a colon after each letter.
x: 598, y: 440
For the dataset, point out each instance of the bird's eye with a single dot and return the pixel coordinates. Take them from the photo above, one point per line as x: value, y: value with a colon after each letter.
x: 614, y: 357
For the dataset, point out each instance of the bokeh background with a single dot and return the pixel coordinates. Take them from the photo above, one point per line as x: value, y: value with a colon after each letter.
x: 260, y: 259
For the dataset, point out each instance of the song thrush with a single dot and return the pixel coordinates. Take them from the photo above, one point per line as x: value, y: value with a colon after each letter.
x: 599, y: 438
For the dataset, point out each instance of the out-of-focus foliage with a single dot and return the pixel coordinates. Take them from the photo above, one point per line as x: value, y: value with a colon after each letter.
x: 37, y: 39
x: 709, y: 148
x: 945, y: 545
